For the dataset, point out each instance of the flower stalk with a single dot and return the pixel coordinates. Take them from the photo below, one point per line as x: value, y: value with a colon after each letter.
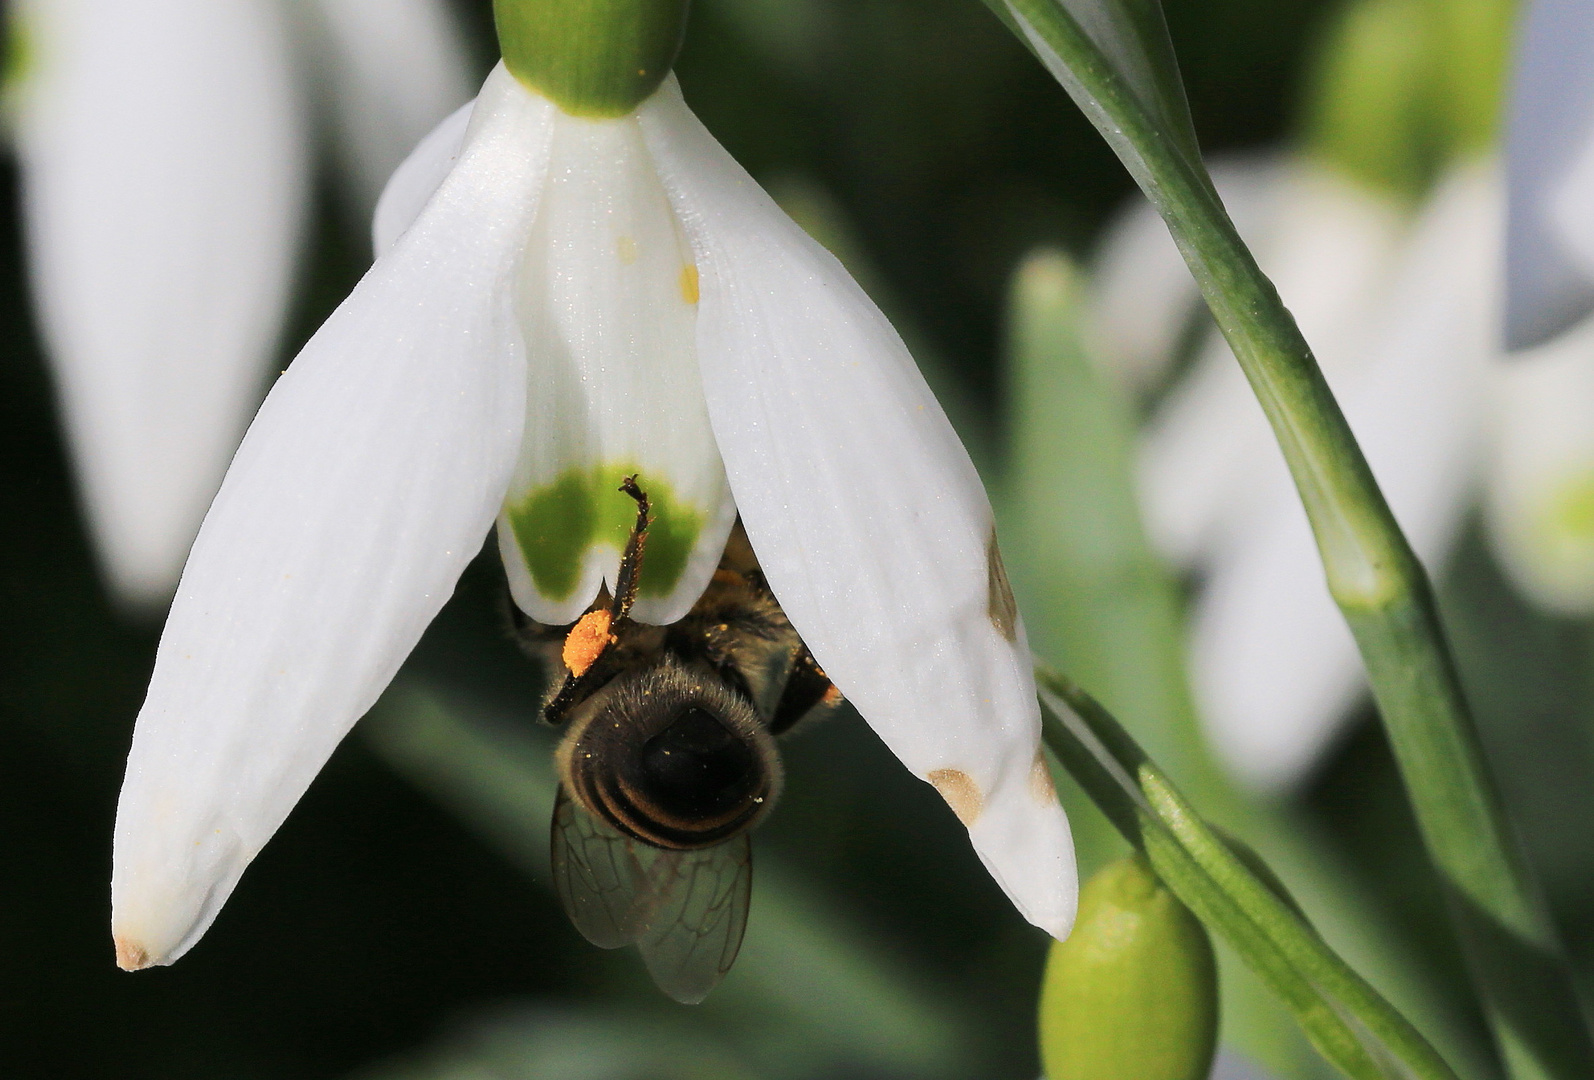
x: 1372, y: 573
x: 1349, y: 1023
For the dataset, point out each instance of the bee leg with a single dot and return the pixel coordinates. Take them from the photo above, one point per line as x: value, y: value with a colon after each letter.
x: 584, y: 659
x: 808, y: 689
x: 630, y: 574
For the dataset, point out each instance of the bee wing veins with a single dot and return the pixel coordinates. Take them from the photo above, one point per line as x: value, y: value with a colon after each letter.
x: 598, y: 874
x: 697, y: 916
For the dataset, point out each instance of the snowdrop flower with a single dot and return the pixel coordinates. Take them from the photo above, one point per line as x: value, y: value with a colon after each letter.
x: 1541, y: 504
x: 165, y: 160
x: 578, y: 284
x: 1401, y: 320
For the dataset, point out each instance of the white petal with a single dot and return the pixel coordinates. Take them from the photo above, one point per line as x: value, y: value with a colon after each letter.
x: 367, y: 482
x: 1273, y: 666
x: 1550, y: 172
x: 1327, y: 243
x: 1541, y: 493
x: 609, y: 302
x: 163, y: 164
x: 396, y: 67
x: 1143, y: 297
x: 414, y: 182
x: 865, y: 512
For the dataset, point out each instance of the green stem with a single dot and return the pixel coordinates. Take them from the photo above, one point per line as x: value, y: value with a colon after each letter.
x: 1372, y: 572
x: 1349, y: 1023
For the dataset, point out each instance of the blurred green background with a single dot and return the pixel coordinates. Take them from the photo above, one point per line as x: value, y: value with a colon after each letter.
x: 400, y: 924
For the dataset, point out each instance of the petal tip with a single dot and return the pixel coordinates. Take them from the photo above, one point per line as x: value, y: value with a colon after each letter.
x: 1023, y: 838
x: 131, y: 955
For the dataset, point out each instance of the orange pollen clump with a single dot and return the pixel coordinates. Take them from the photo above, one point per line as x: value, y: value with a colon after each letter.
x: 587, y: 640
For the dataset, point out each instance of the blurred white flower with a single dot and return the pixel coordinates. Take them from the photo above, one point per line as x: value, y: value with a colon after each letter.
x: 1402, y: 318
x: 1541, y: 502
x: 165, y: 166
x: 561, y: 302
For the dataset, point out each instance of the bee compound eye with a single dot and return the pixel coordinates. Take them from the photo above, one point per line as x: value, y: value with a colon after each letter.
x: 698, y: 767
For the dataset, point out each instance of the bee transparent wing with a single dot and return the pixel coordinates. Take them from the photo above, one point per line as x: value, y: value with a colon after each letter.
x: 685, y: 910
x: 600, y: 877
x: 695, y: 911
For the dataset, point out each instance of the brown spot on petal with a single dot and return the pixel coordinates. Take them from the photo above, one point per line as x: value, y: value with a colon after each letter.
x: 1040, y: 781
x: 587, y: 640
x: 961, y: 793
x: 1000, y: 607
x: 130, y: 955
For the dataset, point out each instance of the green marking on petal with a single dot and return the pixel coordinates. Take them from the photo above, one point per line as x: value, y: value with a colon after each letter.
x: 1572, y: 511
x: 19, y: 53
x: 556, y: 524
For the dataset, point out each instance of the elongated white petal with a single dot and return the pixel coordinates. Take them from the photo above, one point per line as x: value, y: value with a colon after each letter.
x: 1550, y: 174
x: 609, y: 301
x: 1142, y: 295
x: 1274, y: 667
x: 396, y: 68
x: 869, y: 521
x: 415, y: 181
x: 1327, y: 243
x: 163, y: 164
x: 1541, y: 491
x: 367, y: 482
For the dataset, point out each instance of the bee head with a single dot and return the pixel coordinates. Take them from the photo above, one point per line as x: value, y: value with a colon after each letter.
x: 672, y: 755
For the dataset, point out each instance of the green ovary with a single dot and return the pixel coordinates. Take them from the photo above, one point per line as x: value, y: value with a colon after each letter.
x: 556, y: 525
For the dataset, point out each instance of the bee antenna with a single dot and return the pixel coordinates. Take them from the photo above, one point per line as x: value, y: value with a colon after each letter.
x: 630, y: 574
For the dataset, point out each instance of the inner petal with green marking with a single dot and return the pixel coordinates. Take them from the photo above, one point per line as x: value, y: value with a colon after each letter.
x: 556, y: 524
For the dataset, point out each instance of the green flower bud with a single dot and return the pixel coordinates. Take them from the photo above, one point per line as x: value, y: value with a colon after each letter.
x: 591, y: 57
x: 1369, y: 100
x: 1405, y: 86
x: 1133, y: 993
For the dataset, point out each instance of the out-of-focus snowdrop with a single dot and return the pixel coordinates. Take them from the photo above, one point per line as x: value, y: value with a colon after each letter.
x: 389, y: 70
x: 1541, y: 495
x: 1400, y: 318
x: 1541, y: 484
x: 1401, y: 308
x: 165, y: 158
x: 1329, y: 244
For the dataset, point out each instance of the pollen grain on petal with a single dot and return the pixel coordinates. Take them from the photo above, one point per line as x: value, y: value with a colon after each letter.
x: 625, y: 247
x: 587, y: 640
x: 130, y: 955
x: 1001, y: 608
x: 1041, y: 788
x: 689, y: 289
x: 961, y: 793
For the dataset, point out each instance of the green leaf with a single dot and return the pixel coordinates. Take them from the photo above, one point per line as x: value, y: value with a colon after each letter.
x: 1131, y: 39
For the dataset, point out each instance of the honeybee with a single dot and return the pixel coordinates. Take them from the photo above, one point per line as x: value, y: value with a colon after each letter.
x: 669, y: 759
